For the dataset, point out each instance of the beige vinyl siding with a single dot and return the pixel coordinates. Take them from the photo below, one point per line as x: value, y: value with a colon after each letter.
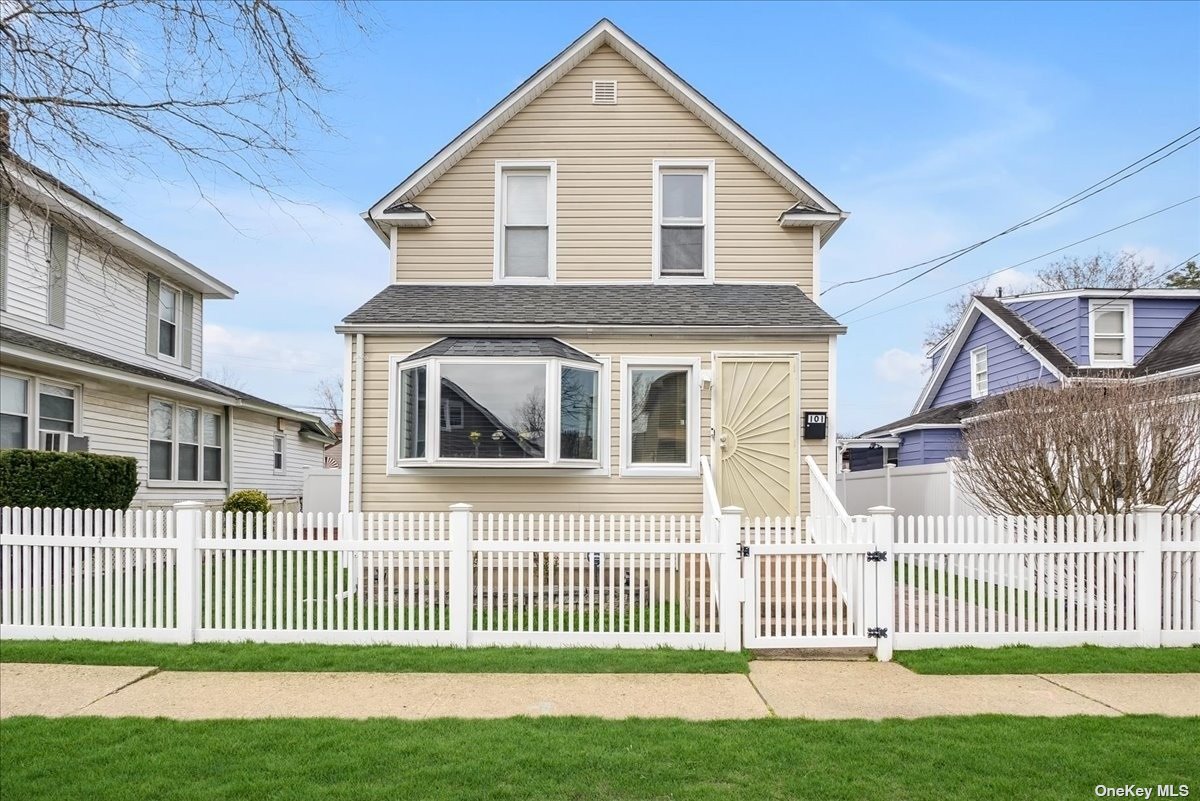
x: 605, y: 157
x: 564, y: 491
x: 253, y: 455
x: 105, y: 300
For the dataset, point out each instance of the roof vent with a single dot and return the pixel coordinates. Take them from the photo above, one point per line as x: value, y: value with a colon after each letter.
x: 604, y: 93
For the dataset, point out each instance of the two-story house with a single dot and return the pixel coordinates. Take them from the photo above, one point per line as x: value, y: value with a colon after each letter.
x: 596, y: 283
x: 102, y: 348
x: 1049, y: 338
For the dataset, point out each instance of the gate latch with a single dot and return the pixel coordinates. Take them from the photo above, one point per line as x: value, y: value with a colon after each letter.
x: 743, y: 550
x: 877, y: 633
x: 876, y: 556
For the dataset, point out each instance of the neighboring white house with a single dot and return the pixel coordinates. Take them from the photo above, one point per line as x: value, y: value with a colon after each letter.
x: 102, y: 347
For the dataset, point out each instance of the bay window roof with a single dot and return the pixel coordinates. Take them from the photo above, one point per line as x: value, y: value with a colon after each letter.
x: 501, y: 346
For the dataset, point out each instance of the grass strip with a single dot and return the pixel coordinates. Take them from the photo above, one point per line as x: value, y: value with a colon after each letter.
x: 1030, y: 659
x: 372, y: 658
x: 987, y: 757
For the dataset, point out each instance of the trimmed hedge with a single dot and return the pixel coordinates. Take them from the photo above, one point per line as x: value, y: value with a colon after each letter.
x: 249, y: 500
x: 67, y: 480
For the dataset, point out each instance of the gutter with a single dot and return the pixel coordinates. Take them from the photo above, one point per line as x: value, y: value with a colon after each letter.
x: 517, y: 329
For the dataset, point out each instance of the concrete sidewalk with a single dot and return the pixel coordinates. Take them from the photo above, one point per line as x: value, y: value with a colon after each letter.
x: 819, y: 690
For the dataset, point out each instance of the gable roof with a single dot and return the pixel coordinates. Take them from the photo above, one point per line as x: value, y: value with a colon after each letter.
x: 759, y: 306
x: 1008, y: 322
x: 602, y: 33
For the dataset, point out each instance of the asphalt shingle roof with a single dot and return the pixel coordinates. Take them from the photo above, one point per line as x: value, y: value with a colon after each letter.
x: 757, y: 305
x: 942, y: 415
x: 1180, y: 348
x: 501, y: 346
x: 11, y: 335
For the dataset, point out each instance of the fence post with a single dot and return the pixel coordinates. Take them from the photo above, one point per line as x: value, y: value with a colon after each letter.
x: 883, y: 534
x: 461, y: 593
x: 730, y: 592
x: 188, y: 518
x: 1148, y: 523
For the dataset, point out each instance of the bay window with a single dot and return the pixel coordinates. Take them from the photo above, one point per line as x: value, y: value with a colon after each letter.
x: 496, y: 411
x: 185, y: 443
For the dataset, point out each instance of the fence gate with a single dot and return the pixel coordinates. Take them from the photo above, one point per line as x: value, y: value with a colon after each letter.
x: 816, y: 582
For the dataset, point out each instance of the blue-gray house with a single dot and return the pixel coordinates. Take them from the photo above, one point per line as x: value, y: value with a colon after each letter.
x: 1049, y: 338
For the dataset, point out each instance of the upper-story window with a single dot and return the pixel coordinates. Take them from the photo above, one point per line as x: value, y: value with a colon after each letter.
x: 168, y: 321
x: 525, y: 221
x: 979, y: 372
x: 683, y: 220
x: 1111, y: 325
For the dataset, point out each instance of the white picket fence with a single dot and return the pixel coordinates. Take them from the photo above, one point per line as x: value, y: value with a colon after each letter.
x: 711, y: 580
x: 450, y: 578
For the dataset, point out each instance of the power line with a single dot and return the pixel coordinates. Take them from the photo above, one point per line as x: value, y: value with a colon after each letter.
x: 1102, y: 185
x: 1027, y: 261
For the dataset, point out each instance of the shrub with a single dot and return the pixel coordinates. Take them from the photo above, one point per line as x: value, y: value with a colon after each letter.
x: 67, y: 480
x: 247, y: 501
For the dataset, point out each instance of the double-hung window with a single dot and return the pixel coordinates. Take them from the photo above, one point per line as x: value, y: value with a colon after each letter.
x: 277, y: 452
x: 168, y: 321
x: 525, y: 221
x: 1111, y: 323
x: 660, y: 416
x: 497, y: 411
x: 14, y: 412
x: 683, y: 220
x: 56, y: 416
x: 185, y: 443
x: 979, y: 372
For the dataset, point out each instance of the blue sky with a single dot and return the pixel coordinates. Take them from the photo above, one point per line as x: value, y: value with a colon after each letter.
x: 934, y: 124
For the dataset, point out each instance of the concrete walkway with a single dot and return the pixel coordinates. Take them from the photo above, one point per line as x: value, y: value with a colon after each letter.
x: 819, y: 690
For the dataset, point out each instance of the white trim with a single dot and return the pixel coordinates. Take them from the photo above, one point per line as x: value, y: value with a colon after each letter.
x: 831, y: 420
x: 958, y: 339
x: 692, y: 466
x: 604, y: 32
x: 551, y: 462
x: 347, y: 421
x: 358, y: 416
x: 709, y: 169
x: 977, y: 355
x: 110, y: 229
x: 816, y: 265
x: 550, y: 166
x: 803, y: 219
x: 1124, y: 306
x: 1101, y: 293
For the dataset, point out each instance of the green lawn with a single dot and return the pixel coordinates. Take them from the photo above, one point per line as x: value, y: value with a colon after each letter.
x: 576, y: 758
x: 1027, y: 659
x: 372, y: 658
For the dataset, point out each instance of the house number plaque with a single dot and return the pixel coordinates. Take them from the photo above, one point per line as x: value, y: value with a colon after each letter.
x: 814, y: 425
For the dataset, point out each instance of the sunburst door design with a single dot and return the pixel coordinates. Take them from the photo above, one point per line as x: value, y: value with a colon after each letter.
x: 757, y: 435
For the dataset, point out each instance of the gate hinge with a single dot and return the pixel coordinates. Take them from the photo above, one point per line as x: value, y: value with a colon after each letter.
x: 877, y: 633
x: 743, y: 550
x: 876, y: 556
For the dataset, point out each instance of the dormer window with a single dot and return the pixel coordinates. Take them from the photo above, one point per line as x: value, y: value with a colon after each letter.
x: 683, y: 220
x: 1111, y: 325
x: 979, y: 372
x: 525, y: 221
